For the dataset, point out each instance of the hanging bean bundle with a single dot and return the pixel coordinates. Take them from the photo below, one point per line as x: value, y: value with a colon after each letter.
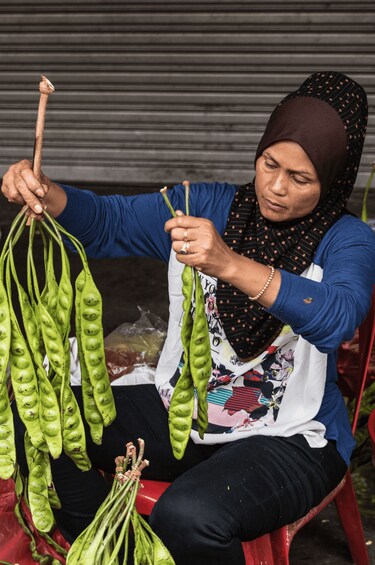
x: 39, y: 333
x: 197, y: 358
x: 108, y: 534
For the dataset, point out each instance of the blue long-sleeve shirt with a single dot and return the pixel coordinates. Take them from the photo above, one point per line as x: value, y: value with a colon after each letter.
x: 117, y: 226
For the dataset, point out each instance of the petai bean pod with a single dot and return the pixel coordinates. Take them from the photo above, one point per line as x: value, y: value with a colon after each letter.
x: 200, y: 356
x: 182, y: 402
x: 92, y: 415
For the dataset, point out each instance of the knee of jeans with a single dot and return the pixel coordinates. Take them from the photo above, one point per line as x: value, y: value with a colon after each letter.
x: 181, y: 519
x: 172, y: 512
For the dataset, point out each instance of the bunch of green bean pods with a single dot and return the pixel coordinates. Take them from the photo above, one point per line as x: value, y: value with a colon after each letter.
x: 108, y: 534
x: 35, y: 325
x: 197, y: 358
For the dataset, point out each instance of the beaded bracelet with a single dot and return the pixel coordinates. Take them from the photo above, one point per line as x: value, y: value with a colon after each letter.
x: 269, y: 280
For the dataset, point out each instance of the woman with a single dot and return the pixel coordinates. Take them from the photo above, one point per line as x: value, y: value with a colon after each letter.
x: 287, y: 275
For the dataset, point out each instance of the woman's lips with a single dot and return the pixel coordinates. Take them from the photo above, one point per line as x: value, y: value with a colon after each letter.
x: 273, y: 205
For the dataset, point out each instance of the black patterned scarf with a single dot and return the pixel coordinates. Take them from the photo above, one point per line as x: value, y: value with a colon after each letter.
x: 306, y: 117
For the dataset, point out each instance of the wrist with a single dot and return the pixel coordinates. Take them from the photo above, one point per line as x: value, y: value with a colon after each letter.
x: 55, y: 199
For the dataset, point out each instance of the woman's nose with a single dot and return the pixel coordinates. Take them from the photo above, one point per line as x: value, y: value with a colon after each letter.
x: 279, y: 183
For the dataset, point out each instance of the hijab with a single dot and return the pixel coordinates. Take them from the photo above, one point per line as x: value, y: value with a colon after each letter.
x: 327, y: 117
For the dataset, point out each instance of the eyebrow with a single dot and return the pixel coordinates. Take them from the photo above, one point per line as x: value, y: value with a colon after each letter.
x: 301, y: 172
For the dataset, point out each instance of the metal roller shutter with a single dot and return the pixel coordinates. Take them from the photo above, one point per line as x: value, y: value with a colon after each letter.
x: 153, y: 92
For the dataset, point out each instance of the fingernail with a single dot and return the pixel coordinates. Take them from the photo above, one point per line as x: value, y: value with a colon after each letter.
x: 40, y: 192
x: 38, y: 209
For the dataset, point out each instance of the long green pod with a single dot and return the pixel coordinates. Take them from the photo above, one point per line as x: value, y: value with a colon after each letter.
x: 37, y: 488
x: 48, y: 404
x: 7, y: 437
x: 52, y: 494
x: 52, y: 339
x: 93, y: 349
x: 182, y: 402
x: 200, y: 356
x: 4, y: 329
x: 161, y: 553
x: 64, y: 296
x: 49, y: 295
x: 23, y: 375
x: 92, y: 415
x: 73, y: 431
x: 7, y: 441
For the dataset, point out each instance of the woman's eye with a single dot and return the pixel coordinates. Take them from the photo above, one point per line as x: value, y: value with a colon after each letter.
x: 270, y: 165
x: 300, y: 181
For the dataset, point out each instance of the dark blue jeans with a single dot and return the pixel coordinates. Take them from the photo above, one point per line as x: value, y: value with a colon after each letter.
x: 220, y: 494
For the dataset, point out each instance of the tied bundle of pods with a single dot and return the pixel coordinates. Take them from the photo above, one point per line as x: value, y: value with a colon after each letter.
x: 197, y: 357
x: 45, y: 401
x: 106, y: 540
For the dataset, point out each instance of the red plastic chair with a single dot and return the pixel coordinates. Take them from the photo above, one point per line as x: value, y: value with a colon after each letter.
x: 371, y: 431
x: 273, y: 548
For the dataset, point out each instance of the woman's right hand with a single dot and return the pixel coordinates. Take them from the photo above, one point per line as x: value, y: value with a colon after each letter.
x: 21, y: 186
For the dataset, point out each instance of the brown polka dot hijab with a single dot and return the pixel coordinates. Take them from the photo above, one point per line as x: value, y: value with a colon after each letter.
x: 327, y: 117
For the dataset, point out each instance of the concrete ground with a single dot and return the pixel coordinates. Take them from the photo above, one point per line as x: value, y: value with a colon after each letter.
x: 128, y: 283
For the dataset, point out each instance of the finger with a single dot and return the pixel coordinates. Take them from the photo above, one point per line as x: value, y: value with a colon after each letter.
x: 183, y: 234
x: 182, y: 247
x: 29, y: 197
x: 33, y: 184
x: 30, y: 214
x: 182, y: 221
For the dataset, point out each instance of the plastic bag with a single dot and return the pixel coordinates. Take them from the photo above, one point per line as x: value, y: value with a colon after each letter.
x: 15, y: 545
x: 132, y: 345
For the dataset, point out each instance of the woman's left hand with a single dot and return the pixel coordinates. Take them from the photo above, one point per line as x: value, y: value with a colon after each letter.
x: 198, y: 244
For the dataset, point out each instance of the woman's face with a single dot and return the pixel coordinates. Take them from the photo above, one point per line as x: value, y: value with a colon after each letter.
x: 286, y: 183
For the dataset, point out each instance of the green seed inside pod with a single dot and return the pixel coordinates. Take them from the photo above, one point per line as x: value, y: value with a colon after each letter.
x: 90, y: 314
x: 30, y: 414
x: 46, y: 319
x: 36, y: 486
x: 23, y: 376
x: 29, y: 401
x: 101, y: 386
x: 26, y: 388
x: 47, y: 401
x: 92, y: 344
x: 50, y: 414
x: 5, y: 432
x: 71, y: 422
x: 17, y: 349
x: 97, y: 373
x: 22, y: 363
x: 3, y: 314
x: 4, y: 447
x: 95, y: 417
x: 38, y: 471
x: 64, y: 301
x: 91, y: 299
x: 92, y: 329
x: 4, y: 332
x: 51, y: 429
x: 50, y: 332
x: 94, y: 359
x: 74, y: 436
x: 62, y: 317
x: 75, y: 447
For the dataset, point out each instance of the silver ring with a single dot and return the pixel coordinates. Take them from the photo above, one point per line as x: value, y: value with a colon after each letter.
x: 185, y: 248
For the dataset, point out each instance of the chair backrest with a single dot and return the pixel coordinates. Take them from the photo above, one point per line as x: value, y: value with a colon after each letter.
x: 366, y: 333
